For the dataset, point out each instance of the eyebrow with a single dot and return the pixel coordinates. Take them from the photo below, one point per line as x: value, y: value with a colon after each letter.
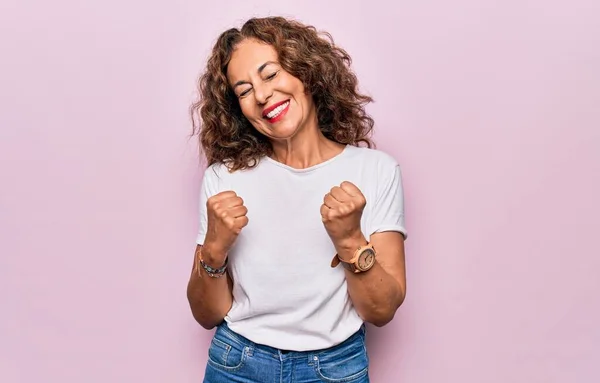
x: 260, y: 69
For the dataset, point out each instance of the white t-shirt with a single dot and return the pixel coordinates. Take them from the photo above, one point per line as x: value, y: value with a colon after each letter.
x: 285, y: 293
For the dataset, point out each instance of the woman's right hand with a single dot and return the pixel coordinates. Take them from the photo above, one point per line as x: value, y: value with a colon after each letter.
x: 226, y: 219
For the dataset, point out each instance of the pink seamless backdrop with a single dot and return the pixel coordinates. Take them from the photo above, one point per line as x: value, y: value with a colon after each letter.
x: 492, y: 109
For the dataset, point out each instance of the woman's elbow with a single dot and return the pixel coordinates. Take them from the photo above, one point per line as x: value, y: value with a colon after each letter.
x: 381, y: 316
x: 206, y: 321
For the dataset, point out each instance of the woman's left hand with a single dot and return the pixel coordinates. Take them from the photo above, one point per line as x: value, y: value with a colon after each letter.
x: 341, y: 213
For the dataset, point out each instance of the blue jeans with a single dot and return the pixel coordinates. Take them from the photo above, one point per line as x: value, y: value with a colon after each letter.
x: 233, y: 358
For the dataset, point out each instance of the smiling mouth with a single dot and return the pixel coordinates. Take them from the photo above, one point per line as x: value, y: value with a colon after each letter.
x: 276, y: 111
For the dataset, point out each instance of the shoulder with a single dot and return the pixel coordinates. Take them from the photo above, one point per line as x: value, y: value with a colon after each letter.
x: 381, y: 160
x: 216, y: 170
x: 219, y: 175
x: 214, y: 177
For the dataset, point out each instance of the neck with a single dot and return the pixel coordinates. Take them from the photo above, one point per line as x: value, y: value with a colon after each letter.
x: 307, y: 148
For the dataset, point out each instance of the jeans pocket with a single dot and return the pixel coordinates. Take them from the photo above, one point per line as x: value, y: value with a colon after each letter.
x: 225, y: 354
x: 345, y: 363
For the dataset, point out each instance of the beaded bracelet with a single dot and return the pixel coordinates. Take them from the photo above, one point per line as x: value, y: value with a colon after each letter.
x: 212, y: 272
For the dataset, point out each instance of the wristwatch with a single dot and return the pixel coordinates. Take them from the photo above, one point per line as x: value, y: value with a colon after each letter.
x: 363, y: 260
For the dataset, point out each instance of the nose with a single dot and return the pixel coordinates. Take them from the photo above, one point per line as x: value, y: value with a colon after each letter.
x: 262, y: 93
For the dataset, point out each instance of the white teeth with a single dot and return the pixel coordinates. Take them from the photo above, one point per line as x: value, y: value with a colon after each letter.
x: 275, y: 112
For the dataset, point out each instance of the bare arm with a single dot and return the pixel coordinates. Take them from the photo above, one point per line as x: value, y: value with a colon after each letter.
x: 210, y: 298
x: 378, y: 293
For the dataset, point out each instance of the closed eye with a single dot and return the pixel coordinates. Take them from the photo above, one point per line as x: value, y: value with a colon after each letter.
x: 244, y: 93
x: 271, y: 76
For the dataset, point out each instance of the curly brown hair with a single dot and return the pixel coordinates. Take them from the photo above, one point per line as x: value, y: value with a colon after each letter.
x: 226, y: 136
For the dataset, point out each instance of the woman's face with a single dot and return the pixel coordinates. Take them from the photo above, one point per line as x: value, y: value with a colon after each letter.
x: 274, y: 101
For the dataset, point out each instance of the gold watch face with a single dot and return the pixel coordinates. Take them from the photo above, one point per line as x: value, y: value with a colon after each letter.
x: 366, y: 259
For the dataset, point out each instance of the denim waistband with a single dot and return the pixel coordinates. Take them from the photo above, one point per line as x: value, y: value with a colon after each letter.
x: 224, y: 330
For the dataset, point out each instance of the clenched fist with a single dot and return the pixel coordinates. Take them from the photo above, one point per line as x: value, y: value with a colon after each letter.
x: 341, y: 212
x: 226, y: 219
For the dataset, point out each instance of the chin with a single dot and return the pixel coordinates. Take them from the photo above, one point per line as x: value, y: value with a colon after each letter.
x: 281, y: 133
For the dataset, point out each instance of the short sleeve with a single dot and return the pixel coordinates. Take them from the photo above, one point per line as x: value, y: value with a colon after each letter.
x: 207, y: 189
x: 387, y: 213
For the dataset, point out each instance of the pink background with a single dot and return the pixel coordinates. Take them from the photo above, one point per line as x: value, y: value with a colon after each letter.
x: 492, y: 108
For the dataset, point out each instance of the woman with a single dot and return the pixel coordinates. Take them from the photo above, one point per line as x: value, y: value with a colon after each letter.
x: 301, y: 237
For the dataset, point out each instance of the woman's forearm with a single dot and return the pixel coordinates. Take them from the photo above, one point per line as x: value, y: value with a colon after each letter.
x: 375, y: 294
x: 210, y: 298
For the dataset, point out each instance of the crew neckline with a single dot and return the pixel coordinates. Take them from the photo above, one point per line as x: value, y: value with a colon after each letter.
x: 310, y: 168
